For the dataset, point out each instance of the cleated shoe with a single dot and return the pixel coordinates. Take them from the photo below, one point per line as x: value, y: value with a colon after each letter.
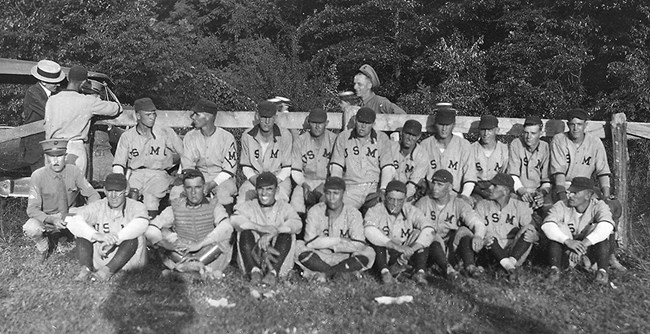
x: 614, y: 264
x: 420, y: 278
x: 270, y: 279
x: 256, y: 277
x: 451, y: 273
x: 386, y: 277
x: 474, y: 271
x: 554, y: 275
x: 602, y: 278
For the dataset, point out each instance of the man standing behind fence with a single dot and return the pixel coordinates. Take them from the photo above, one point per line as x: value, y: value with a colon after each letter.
x: 365, y: 81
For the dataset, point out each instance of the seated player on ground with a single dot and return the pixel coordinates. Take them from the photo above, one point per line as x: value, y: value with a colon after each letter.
x: 577, y: 228
x: 459, y: 230
x: 510, y: 232
x: 110, y: 232
x: 399, y: 233
x: 194, y: 232
x: 334, y: 239
x: 266, y: 233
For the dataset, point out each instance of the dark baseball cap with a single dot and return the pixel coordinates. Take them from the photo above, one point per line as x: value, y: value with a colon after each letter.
x: 577, y: 113
x: 412, y: 127
x: 445, y: 116
x: 144, y: 104
x: 317, y: 115
x: 267, y: 109
x: 366, y: 115
x: 396, y: 186
x: 78, y: 73
x: 442, y: 175
x: 334, y: 182
x: 502, y: 179
x: 206, y: 106
x: 266, y: 179
x: 115, y: 182
x: 488, y: 122
x: 581, y: 183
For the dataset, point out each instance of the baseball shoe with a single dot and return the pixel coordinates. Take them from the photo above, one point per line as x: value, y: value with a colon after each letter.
x: 474, y: 271
x: 614, y: 264
x: 508, y: 263
x: 554, y: 275
x: 256, y: 276
x: 320, y: 277
x: 420, y: 277
x: 102, y: 275
x: 602, y: 278
x: 83, y: 275
x: 513, y: 275
x: 397, y: 269
x: 270, y: 279
x: 451, y: 273
x: 386, y: 276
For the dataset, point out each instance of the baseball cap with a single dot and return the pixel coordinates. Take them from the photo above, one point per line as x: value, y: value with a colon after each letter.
x: 580, y: 183
x: 115, y: 182
x: 78, y: 73
x: 54, y: 147
x: 144, y: 104
x: 445, y: 116
x: 267, y: 109
x: 334, y: 182
x: 502, y: 179
x: 366, y: 115
x: 532, y: 120
x: 266, y: 179
x: 442, y: 175
x: 192, y: 173
x: 368, y: 71
x: 577, y: 113
x: 412, y: 127
x: 317, y: 115
x: 396, y: 186
x: 206, y: 106
x: 488, y: 122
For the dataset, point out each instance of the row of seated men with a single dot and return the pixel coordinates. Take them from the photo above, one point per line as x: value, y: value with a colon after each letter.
x: 374, y: 171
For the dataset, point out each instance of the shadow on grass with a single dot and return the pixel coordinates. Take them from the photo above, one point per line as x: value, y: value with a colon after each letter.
x: 501, y: 319
x: 142, y: 302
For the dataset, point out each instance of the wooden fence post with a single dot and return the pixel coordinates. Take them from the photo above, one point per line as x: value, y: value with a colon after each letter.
x: 621, y: 161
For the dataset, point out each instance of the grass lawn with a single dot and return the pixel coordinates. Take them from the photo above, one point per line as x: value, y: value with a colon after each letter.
x: 42, y: 298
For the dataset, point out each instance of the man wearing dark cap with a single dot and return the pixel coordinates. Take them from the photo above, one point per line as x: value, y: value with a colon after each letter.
x: 459, y: 230
x: 411, y: 161
x: 363, y: 158
x: 193, y: 232
x: 365, y: 81
x: 68, y: 115
x: 310, y: 157
x: 528, y: 164
x: 211, y: 150
x: 576, y: 153
x: 266, y: 233
x: 266, y: 148
x: 52, y: 194
x: 400, y: 233
x: 49, y: 76
x: 144, y: 154
x: 110, y: 232
x: 490, y: 155
x: 510, y: 231
x: 579, y: 227
x: 334, y: 239
x: 450, y: 152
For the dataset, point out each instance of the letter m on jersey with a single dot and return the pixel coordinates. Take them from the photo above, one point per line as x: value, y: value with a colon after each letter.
x: 155, y: 150
x: 406, y: 233
x: 274, y: 153
x: 453, y: 165
x: 586, y: 161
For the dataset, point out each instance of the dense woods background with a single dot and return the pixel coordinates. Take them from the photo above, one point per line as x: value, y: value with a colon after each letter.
x: 510, y: 58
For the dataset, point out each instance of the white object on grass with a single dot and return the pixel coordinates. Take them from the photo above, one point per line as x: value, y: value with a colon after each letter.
x: 394, y: 300
x: 222, y: 302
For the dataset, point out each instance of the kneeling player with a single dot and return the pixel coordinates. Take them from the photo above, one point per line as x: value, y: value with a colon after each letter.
x: 399, y: 233
x: 334, y: 240
x: 110, y: 232
x: 459, y: 230
x: 194, y: 231
x: 267, y: 231
x: 578, y: 227
x: 510, y: 232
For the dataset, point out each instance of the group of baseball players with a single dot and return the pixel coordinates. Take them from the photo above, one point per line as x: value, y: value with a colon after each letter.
x: 333, y: 205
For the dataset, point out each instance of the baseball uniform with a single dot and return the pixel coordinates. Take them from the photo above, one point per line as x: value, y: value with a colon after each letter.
x: 128, y: 224
x: 399, y: 229
x: 487, y: 166
x: 272, y: 157
x: 281, y: 215
x: 578, y: 160
x: 312, y: 159
x: 457, y: 158
x: 504, y: 223
x: 211, y: 155
x: 148, y: 159
x: 531, y: 167
x: 362, y: 160
x: 68, y: 115
x: 410, y: 168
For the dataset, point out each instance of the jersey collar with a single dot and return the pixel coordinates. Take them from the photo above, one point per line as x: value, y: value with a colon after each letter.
x: 355, y: 135
x: 256, y: 129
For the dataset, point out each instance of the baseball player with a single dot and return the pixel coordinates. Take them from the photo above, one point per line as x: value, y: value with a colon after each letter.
x: 490, y: 155
x: 334, y: 238
x: 360, y: 157
x: 410, y: 159
x: 365, y: 81
x: 266, y: 148
x: 577, y: 227
x: 52, y: 194
x: 211, y: 150
x: 144, y: 153
x: 576, y: 153
x: 266, y: 233
x: 528, y: 164
x: 510, y: 232
x: 110, y: 232
x: 194, y: 232
x: 68, y: 115
x: 459, y: 230
x: 452, y: 153
x: 311, y: 155
x: 400, y: 233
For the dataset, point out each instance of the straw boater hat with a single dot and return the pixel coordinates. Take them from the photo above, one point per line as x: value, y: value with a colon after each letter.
x: 48, y: 71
